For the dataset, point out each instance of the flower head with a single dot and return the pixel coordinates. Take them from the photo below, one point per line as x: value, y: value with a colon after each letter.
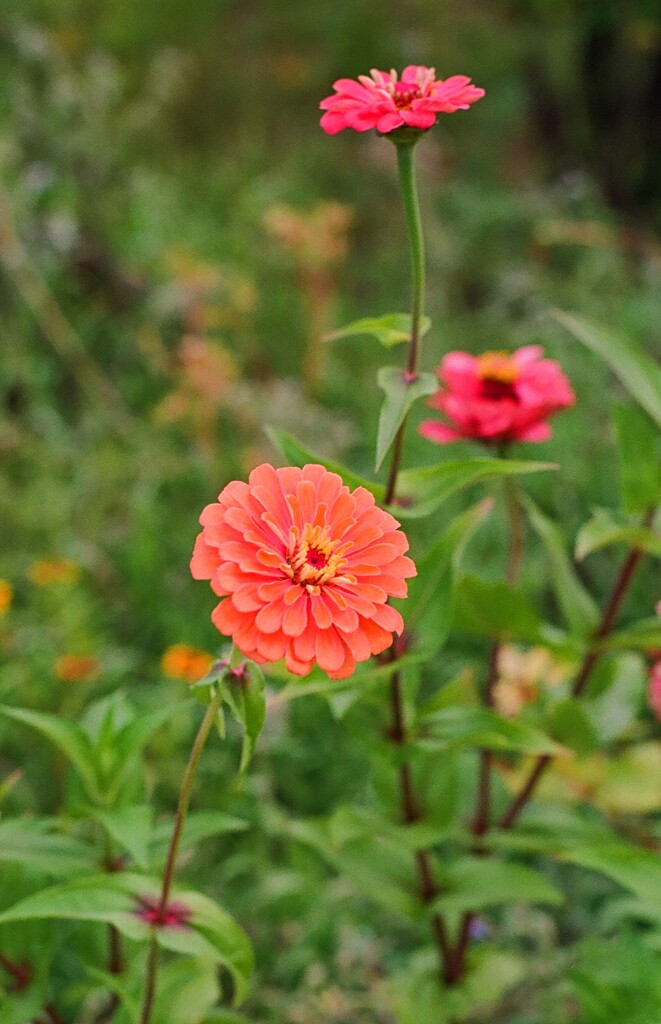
x: 74, y: 668
x: 497, y: 397
x: 305, y: 568
x: 654, y: 689
x: 6, y: 595
x: 181, y: 661
x: 55, y: 571
x: 386, y: 102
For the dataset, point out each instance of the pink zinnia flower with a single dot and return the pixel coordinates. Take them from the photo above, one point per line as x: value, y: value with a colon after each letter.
x: 305, y: 568
x: 654, y: 689
x: 497, y: 397
x: 385, y: 102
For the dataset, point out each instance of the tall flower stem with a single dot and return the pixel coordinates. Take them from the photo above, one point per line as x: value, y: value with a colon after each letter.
x: 398, y: 731
x: 170, y: 864
x: 409, y: 193
x: 591, y: 658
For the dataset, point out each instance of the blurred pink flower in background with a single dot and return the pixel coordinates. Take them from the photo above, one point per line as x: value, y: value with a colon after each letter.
x: 386, y: 102
x: 654, y: 689
x: 305, y: 568
x: 497, y: 397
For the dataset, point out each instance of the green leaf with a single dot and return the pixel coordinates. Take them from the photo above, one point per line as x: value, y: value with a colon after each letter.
x: 390, y: 329
x: 602, y: 530
x: 131, y: 828
x: 569, y: 723
x: 494, y: 609
x: 472, y: 883
x: 297, y: 454
x: 640, y: 465
x: 68, y: 737
x: 640, y: 636
x: 212, y: 932
x: 115, y: 898
x: 401, y: 392
x: 34, y: 844
x: 577, y: 606
x: 428, y: 607
x: 639, y: 373
x: 198, y: 825
x: 187, y: 991
x: 421, y: 491
x: 478, y: 727
x: 634, y: 869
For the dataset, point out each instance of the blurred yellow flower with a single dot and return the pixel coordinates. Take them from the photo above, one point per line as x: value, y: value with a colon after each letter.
x: 181, y: 661
x: 6, y: 594
x: 45, y: 573
x: 74, y: 668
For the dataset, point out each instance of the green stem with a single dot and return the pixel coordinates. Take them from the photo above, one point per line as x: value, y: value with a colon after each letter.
x: 409, y: 194
x: 168, y: 873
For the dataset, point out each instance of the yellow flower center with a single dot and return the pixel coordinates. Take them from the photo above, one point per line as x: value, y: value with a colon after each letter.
x: 497, y: 372
x: 313, y: 557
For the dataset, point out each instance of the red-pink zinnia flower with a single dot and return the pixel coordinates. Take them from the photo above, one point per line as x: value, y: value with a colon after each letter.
x: 497, y: 397
x: 386, y: 102
x: 654, y: 689
x: 305, y: 568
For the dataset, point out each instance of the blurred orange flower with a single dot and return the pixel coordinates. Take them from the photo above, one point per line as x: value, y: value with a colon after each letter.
x: 521, y: 675
x: 6, y: 594
x: 76, y: 668
x: 45, y: 573
x: 181, y: 661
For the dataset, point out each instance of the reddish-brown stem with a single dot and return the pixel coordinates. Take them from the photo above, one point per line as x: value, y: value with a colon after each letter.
x: 21, y: 973
x: 410, y: 814
x: 52, y: 1014
x: 610, y: 613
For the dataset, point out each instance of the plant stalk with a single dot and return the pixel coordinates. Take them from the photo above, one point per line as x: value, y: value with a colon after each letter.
x: 168, y: 873
x: 409, y: 193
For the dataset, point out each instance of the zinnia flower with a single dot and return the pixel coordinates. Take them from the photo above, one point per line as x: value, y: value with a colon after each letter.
x: 6, y: 594
x: 386, y: 102
x: 73, y: 668
x: 181, y: 661
x: 305, y: 568
x: 497, y: 397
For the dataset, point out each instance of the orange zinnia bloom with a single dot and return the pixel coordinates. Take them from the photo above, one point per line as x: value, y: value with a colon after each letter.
x: 6, y: 594
x: 73, y: 668
x: 305, y: 567
x: 181, y: 661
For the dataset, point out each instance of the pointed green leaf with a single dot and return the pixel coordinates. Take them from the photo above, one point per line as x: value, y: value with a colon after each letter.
x: 630, y: 866
x: 68, y: 737
x: 297, y: 454
x: 603, y: 530
x: 131, y: 828
x: 569, y: 723
x: 115, y: 899
x: 640, y: 636
x: 639, y: 373
x: 390, y: 329
x: 638, y: 444
x: 578, y: 608
x: 401, y: 392
x: 478, y: 727
x: 421, y: 491
x: 472, y: 883
x: 199, y: 825
x: 35, y: 844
